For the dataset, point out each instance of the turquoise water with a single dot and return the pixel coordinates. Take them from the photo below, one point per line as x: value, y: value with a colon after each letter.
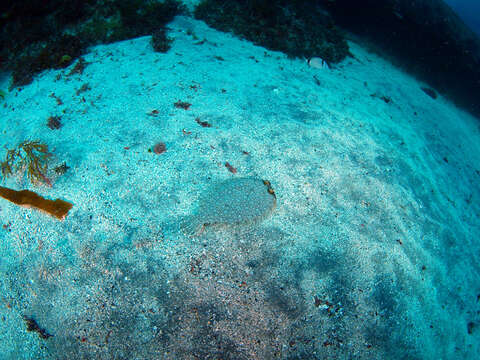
x: 362, y: 245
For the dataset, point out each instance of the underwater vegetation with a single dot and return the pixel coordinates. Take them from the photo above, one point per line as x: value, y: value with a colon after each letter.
x: 54, y: 122
x: 233, y: 203
x: 58, y: 53
x: 32, y: 325
x: 297, y: 28
x: 30, y: 157
x: 36, y: 36
x: 57, y: 208
x: 425, y: 37
x: 160, y: 41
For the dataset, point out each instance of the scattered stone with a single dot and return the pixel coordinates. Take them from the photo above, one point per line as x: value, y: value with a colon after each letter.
x: 430, y: 92
x: 54, y: 122
x: 182, y: 105
x: 160, y: 148
x: 61, y: 169
x: 470, y: 327
x: 230, y: 168
x: 202, y: 123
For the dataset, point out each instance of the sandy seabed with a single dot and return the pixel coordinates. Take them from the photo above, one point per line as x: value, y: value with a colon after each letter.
x: 372, y: 250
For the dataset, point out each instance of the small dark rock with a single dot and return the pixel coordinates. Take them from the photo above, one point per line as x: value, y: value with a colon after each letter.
x: 61, y: 169
x: 54, y: 122
x: 160, y: 148
x: 202, y: 123
x: 386, y: 99
x: 83, y: 88
x: 230, y: 168
x: 182, y: 105
x: 470, y: 327
x: 430, y: 92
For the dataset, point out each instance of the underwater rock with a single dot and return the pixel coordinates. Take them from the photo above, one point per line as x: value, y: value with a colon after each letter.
x: 160, y: 148
x: 425, y: 37
x: 430, y: 92
x: 38, y: 35
x: 233, y: 203
x: 54, y: 122
x: 296, y: 28
x: 32, y: 325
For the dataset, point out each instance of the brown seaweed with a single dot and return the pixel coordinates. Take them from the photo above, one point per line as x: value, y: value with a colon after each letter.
x: 26, y: 198
x: 29, y: 156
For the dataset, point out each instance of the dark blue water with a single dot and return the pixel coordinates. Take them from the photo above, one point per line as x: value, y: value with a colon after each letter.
x: 469, y: 11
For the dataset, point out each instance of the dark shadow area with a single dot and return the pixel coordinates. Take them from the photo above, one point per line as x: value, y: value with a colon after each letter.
x: 424, y: 37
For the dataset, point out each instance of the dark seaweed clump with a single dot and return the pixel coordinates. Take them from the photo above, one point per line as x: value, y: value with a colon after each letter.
x: 32, y: 325
x: 56, y: 54
x: 297, y: 28
x: 160, y: 41
x: 32, y: 157
x: 37, y: 35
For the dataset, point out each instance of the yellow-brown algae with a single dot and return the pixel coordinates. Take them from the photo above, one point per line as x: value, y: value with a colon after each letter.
x: 26, y: 198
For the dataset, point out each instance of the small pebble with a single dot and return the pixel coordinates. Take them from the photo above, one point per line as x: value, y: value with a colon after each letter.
x: 160, y: 148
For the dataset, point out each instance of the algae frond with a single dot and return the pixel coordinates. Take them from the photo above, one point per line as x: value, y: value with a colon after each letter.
x: 30, y: 157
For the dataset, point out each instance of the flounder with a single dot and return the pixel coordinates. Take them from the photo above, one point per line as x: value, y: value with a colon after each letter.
x: 235, y: 203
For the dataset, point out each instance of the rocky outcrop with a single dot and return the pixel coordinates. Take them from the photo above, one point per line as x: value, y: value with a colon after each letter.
x: 425, y: 37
